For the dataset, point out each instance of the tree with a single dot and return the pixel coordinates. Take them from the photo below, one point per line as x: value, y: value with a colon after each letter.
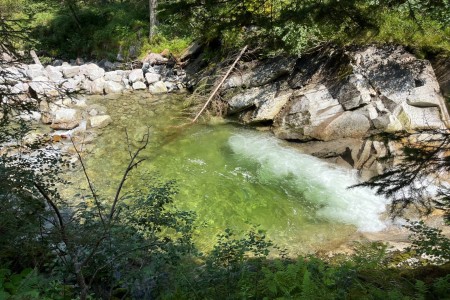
x: 424, y: 162
x: 152, y: 5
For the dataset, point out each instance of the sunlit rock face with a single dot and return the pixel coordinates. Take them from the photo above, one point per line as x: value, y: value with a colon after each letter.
x: 337, y: 94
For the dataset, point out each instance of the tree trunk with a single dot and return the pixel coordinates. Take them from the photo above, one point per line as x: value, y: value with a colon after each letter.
x: 152, y: 10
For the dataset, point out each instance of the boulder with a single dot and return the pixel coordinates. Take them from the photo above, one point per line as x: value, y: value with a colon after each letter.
x: 43, y: 86
x: 92, y: 71
x: 424, y: 96
x: 100, y: 121
x: 345, y: 125
x: 35, y: 71
x: 65, y: 118
x: 306, y: 111
x: 113, y: 87
x: 54, y: 73
x: 139, y: 85
x: 136, y: 75
x: 98, y: 86
x: 267, y: 102
x: 356, y: 92
x: 152, y: 77
x: 70, y: 71
x: 113, y: 76
x: 414, y: 118
x: 154, y: 59
x: 158, y: 87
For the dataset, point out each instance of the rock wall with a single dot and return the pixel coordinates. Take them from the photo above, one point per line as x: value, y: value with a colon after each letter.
x: 333, y: 100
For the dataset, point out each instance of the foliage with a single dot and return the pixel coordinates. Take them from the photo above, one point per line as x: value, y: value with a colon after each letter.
x: 424, y: 158
x: 429, y: 243
x: 223, y: 274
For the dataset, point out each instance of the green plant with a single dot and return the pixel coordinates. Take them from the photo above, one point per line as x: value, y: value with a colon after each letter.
x: 429, y: 243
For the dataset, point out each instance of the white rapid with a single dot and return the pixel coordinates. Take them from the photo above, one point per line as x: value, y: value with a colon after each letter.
x: 325, y: 186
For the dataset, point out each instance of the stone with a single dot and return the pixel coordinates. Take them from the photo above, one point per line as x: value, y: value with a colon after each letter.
x: 100, y: 121
x: 158, y: 87
x: 424, y: 96
x: 267, y: 100
x: 414, y: 118
x: 19, y: 88
x: 57, y: 63
x: 92, y: 71
x: 345, y: 125
x: 79, y: 61
x: 35, y: 71
x: 43, y: 86
x: 355, y: 93
x: 136, y: 75
x: 65, y: 118
x: 152, y: 77
x: 139, y: 85
x: 54, y: 73
x: 387, y: 122
x: 98, y: 86
x: 70, y: 71
x: 305, y: 112
x: 113, y: 76
x: 112, y: 87
x: 154, y: 58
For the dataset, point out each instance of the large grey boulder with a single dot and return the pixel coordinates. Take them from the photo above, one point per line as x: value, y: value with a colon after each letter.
x: 139, y: 85
x: 267, y: 100
x: 345, y: 125
x: 92, y: 71
x: 113, y: 76
x: 152, y: 77
x: 70, y: 71
x: 306, y: 111
x: 65, y: 118
x: 329, y: 98
x: 113, y: 87
x: 35, y: 71
x: 42, y: 86
x: 356, y: 92
x: 100, y: 121
x: 158, y: 88
x: 136, y: 75
x: 54, y: 73
x: 98, y: 86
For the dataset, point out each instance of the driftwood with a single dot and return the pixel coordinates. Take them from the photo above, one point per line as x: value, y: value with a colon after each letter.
x: 220, y: 84
x: 35, y: 57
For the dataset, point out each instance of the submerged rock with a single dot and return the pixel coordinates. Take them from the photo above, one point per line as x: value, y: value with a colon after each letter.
x: 100, y: 121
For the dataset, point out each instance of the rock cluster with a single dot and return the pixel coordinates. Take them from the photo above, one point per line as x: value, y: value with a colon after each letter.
x: 54, y: 81
x: 339, y: 95
x: 51, y: 85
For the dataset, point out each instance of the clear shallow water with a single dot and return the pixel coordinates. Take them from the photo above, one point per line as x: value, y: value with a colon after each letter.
x: 234, y: 177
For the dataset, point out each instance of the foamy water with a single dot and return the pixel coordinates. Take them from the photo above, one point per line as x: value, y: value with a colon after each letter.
x: 323, y: 184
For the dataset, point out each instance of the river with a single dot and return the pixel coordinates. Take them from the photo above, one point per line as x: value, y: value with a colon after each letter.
x: 232, y: 176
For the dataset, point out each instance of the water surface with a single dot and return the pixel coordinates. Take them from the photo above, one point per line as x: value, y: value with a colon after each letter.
x: 234, y: 177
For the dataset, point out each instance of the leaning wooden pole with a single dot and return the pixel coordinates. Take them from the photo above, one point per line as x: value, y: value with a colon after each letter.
x: 220, y: 84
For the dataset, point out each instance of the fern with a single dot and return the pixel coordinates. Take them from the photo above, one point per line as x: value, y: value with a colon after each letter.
x: 308, y: 289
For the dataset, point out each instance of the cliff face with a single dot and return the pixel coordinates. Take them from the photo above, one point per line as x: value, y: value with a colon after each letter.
x: 332, y: 100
